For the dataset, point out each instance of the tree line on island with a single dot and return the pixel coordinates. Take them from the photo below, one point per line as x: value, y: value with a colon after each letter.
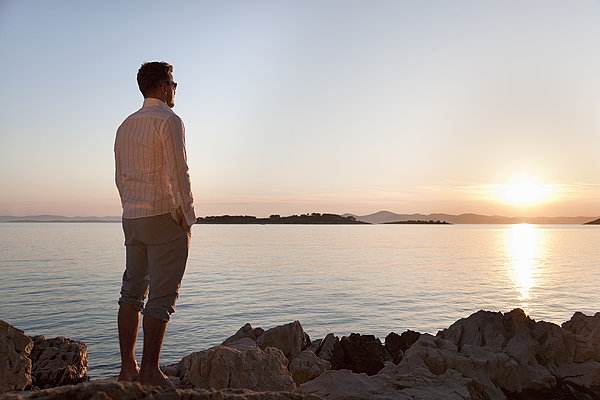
x: 308, y: 218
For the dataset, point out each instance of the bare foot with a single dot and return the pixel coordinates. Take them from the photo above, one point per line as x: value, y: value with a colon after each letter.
x: 155, y: 378
x: 129, y: 374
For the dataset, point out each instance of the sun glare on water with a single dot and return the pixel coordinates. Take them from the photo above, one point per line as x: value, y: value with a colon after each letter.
x: 524, y: 192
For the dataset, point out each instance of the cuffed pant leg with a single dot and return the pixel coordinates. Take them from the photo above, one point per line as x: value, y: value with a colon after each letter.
x: 166, y: 266
x: 134, y: 287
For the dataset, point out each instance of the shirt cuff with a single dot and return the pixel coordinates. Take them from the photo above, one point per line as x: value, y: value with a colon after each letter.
x: 190, y: 216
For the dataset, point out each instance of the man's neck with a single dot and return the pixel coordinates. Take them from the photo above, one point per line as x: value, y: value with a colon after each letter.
x: 155, y: 98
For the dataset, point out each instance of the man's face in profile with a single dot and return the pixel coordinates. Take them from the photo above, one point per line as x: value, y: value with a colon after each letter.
x: 170, y: 91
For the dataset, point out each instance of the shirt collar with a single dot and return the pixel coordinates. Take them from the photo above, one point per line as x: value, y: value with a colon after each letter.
x: 153, y: 102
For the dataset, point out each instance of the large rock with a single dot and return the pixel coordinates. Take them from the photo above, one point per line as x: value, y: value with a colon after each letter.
x: 487, y: 368
x: 228, y: 367
x: 520, y: 337
x: 587, y: 336
x: 289, y: 338
x: 396, y: 344
x: 359, y: 353
x: 111, y: 390
x: 58, y: 361
x: 501, y: 351
x: 306, y: 366
x: 15, y: 361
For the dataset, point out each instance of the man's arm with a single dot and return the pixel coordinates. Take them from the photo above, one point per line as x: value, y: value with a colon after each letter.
x: 118, y: 171
x: 177, y: 168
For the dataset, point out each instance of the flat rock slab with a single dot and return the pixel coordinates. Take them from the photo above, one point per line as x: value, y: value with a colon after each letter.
x: 112, y: 390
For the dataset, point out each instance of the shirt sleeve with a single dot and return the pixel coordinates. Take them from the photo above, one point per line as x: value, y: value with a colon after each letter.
x: 177, y: 168
x: 118, y: 171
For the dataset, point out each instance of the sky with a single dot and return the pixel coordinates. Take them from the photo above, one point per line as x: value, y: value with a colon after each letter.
x: 311, y: 106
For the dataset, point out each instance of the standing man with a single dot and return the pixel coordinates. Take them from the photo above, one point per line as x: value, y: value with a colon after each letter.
x: 158, y: 212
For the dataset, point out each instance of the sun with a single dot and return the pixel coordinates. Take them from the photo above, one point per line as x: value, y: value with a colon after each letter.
x: 524, y: 191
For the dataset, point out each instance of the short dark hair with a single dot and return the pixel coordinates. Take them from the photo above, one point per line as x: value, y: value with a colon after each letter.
x: 151, y: 74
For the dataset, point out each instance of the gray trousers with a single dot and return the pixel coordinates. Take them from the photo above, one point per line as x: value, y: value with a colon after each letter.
x: 156, y: 255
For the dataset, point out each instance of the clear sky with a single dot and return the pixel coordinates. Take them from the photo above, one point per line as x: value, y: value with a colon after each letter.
x: 311, y: 106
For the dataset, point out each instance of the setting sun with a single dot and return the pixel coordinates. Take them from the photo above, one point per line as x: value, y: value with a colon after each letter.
x: 524, y: 192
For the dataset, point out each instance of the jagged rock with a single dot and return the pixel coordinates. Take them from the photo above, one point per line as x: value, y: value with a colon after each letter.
x: 499, y: 351
x: 306, y: 366
x: 245, y: 332
x: 315, y: 345
x: 556, y: 345
x: 15, y: 361
x: 325, y: 350
x: 228, y: 367
x: 58, y: 361
x: 587, y: 336
x: 514, y: 333
x: 396, y: 344
x: 289, y: 338
x: 112, y: 390
x: 437, y: 356
x: 359, y: 353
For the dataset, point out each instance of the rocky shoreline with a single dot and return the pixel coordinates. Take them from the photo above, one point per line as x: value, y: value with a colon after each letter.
x: 486, y: 356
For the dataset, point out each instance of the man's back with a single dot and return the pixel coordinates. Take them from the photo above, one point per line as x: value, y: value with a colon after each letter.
x: 151, y: 170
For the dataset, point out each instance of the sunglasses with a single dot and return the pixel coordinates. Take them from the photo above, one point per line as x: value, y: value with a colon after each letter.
x: 173, y: 84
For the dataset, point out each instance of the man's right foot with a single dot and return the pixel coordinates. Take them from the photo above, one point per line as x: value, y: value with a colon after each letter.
x: 155, y: 378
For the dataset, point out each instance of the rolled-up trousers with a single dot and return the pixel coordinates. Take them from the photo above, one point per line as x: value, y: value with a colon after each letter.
x: 156, y: 256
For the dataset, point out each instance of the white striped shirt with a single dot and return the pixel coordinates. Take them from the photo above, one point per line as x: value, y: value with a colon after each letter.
x: 151, y: 170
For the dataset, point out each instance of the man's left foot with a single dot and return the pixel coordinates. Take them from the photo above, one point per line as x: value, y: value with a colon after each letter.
x: 129, y: 375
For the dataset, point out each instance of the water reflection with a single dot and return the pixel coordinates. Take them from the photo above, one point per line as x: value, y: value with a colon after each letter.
x: 523, y: 243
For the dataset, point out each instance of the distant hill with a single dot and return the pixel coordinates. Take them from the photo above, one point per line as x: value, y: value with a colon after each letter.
x: 596, y: 222
x: 382, y: 217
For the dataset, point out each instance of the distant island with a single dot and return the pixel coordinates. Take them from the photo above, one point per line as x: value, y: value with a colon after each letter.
x: 381, y: 217
x: 419, y: 222
x: 314, y: 218
x: 596, y: 222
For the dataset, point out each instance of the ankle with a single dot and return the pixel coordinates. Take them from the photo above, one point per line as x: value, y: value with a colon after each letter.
x: 129, y: 365
x: 150, y: 370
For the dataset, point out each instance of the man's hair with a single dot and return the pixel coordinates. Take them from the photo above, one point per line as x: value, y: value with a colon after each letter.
x: 151, y: 74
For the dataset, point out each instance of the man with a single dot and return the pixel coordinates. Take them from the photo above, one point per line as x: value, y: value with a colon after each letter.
x: 158, y: 212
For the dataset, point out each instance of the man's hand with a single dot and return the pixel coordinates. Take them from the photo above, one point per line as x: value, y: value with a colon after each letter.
x: 185, y: 226
x: 182, y: 222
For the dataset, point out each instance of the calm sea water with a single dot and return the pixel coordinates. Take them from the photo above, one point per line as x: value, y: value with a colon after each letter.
x: 64, y: 279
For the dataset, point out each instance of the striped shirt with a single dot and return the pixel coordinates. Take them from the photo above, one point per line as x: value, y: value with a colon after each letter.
x: 151, y: 170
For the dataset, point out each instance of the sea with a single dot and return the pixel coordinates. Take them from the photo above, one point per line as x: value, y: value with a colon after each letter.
x: 63, y: 279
